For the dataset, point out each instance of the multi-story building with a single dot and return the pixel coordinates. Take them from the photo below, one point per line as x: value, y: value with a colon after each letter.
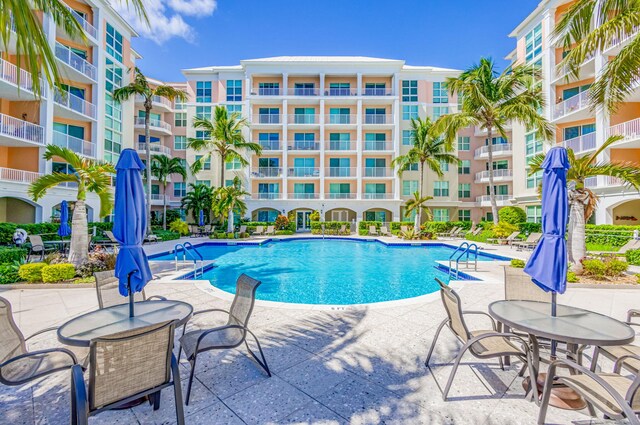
x: 330, y: 128
x: 82, y: 117
x: 577, y: 125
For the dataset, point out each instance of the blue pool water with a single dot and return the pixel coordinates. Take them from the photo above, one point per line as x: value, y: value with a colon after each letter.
x: 331, y: 271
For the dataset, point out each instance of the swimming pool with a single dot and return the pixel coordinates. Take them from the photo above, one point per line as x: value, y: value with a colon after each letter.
x: 328, y: 271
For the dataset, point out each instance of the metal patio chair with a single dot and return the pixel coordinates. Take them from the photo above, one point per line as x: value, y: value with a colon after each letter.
x: 482, y: 344
x: 628, y: 355
x: 124, y: 367
x: 18, y: 365
x: 108, y: 293
x: 230, y: 335
x: 38, y: 247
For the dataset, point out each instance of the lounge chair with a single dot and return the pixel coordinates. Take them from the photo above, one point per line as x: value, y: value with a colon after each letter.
x: 108, y: 293
x: 627, y: 355
x: 373, y: 231
x: 631, y: 244
x: 505, y: 241
x: 243, y: 229
x: 384, y: 231
x: 476, y: 231
x: 450, y: 233
x: 124, y: 367
x: 259, y: 230
x: 482, y: 344
x: 228, y: 336
x: 271, y: 230
x: 38, y: 247
x: 343, y: 230
x: 151, y: 238
x: 207, y: 229
x: 530, y: 242
x: 194, y: 230
x: 18, y: 365
x: 458, y: 233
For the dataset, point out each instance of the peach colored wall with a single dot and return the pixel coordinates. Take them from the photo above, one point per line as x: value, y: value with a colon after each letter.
x: 352, y: 188
x: 328, y: 79
x: 626, y: 111
x: 85, y: 125
x: 290, y: 133
x: 425, y: 91
x: 560, y: 127
x: 625, y: 155
x: 315, y: 79
x: 255, y: 183
x: 376, y: 79
x: 560, y: 11
x: 19, y: 158
x: 81, y: 7
x: 269, y: 79
x: 16, y: 109
x: 387, y: 108
x: 561, y: 87
x: 87, y: 87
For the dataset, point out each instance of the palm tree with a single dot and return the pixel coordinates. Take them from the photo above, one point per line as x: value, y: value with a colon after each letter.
x: 582, y: 200
x: 162, y: 167
x: 491, y: 101
x: 417, y: 204
x: 200, y: 197
x: 429, y: 149
x: 140, y: 86
x: 588, y: 27
x: 228, y: 200
x: 90, y: 176
x: 33, y: 51
x: 224, y: 138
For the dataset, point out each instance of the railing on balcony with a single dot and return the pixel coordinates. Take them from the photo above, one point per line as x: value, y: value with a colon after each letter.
x: 79, y: 146
x: 581, y: 143
x: 340, y: 145
x: 629, y: 129
x: 602, y: 182
x: 303, y: 172
x: 303, y: 119
x: 340, y: 119
x: 267, y: 91
x: 378, y: 145
x: 303, y: 145
x: 266, y: 172
x: 139, y: 121
x: 89, y: 29
x: 19, y: 129
x: 266, y: 119
x: 300, y: 91
x: 337, y: 91
x: 19, y: 176
x: 378, y: 172
x: 270, y: 195
x: 377, y: 195
x: 378, y: 119
x: 295, y: 195
x: 340, y: 172
x: 626, y: 36
x: 75, y: 61
x: 487, y: 198
x: 574, y: 103
x: 154, y: 148
x: 499, y: 148
x: 373, y: 91
x: 155, y: 99
x: 340, y: 195
x: 563, y: 70
x: 75, y: 103
x: 269, y: 145
x: 497, y: 174
x: 157, y: 197
x: 18, y: 77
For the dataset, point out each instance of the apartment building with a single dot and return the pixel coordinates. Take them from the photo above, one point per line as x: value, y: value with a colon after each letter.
x: 577, y: 126
x: 330, y: 128
x: 82, y: 116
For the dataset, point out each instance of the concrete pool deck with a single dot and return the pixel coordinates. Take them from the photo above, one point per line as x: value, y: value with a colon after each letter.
x: 349, y: 364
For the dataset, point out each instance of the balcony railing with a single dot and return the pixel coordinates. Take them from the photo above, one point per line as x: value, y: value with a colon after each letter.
x: 581, y: 143
x: 154, y: 148
x: 377, y: 195
x: 340, y: 195
x: 75, y: 61
x: 18, y: 77
x: 497, y: 174
x: 303, y: 119
x: 266, y: 196
x: 266, y: 119
x: 378, y: 145
x: 340, y: 172
x: 157, y: 197
x: 487, y: 198
x: 626, y: 36
x: 295, y: 195
x: 378, y: 119
x: 378, y: 172
x: 377, y: 91
x: 574, y: 103
x: 89, y: 29
x: 75, y: 103
x: 79, y: 146
x: 266, y: 172
x: 269, y: 145
x: 629, y: 129
x: 304, y: 145
x: 303, y: 172
x: 340, y: 92
x: 499, y: 148
x: 14, y: 127
x: 267, y: 91
x: 19, y: 176
x: 153, y: 123
x: 155, y: 99
x: 340, y: 145
x: 340, y: 119
x: 299, y: 91
x: 605, y: 181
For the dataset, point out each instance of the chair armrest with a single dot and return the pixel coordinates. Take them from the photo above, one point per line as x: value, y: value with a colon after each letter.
x: 525, y: 344
x: 493, y: 322
x: 156, y: 297
x: 217, y: 329
x: 632, y: 313
x: 53, y: 328
x: 79, y: 400
x: 210, y: 310
x: 35, y: 353
x: 619, y: 362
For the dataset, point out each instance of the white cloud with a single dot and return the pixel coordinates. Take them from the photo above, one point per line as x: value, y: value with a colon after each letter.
x: 165, y: 17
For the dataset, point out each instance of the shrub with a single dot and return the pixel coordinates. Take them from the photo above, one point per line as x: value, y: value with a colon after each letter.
x: 409, y: 234
x: 180, y: 227
x: 243, y: 235
x: 284, y: 232
x: 173, y: 215
x: 466, y: 225
x: 438, y: 226
x: 572, y: 277
x: 480, y: 237
x: 97, y: 261
x: 11, y: 255
x: 218, y: 235
x: 528, y: 228
x: 31, y: 272
x: 363, y: 227
x: 594, y: 267
x: 394, y: 226
x: 166, y: 235
x: 512, y: 215
x: 282, y: 222
x: 315, y: 216
x: 518, y: 264
x: 58, y: 272
x: 330, y: 227
x: 608, y: 234
x: 614, y: 267
x: 633, y: 257
x: 503, y: 229
x: 55, y: 258
x: 9, y: 273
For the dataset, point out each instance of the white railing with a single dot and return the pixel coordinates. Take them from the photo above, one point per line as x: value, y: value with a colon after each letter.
x: 269, y: 145
x: 581, y: 143
x: 340, y: 195
x: 303, y: 172
x: 337, y: 91
x: 574, y: 103
x: 377, y: 92
x: 378, y: 172
x: 266, y: 196
x: 619, y: 40
x: 629, y: 129
x: 499, y: 148
x: 18, y: 77
x: 157, y: 197
x: 267, y: 91
x: 378, y: 119
x: 266, y: 119
x: 155, y: 148
x: 377, y: 195
x: 75, y: 61
x: 602, y: 182
x: 89, y: 29
x: 376, y: 145
x: 14, y: 127
x: 79, y: 146
x: 266, y: 172
x: 304, y: 196
x: 497, y: 174
x: 303, y: 119
x: 564, y: 69
x: 340, y: 145
x: 337, y: 172
x: 303, y: 145
x: 293, y: 91
x: 336, y: 119
x: 75, y: 103
x: 487, y: 198
x: 139, y: 122
x: 155, y: 99
x: 20, y: 176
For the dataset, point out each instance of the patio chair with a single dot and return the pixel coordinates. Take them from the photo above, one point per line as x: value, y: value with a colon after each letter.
x: 108, y: 294
x: 507, y: 241
x: 530, y: 242
x: 194, y: 230
x: 615, y: 395
x: 259, y: 230
x: 476, y: 231
x: 124, y: 367
x: 151, y: 238
x: 482, y: 344
x: 373, y: 231
x: 384, y: 231
x: 230, y: 335
x: 628, y: 355
x: 18, y: 365
x: 343, y: 230
x: 271, y: 230
x: 631, y: 244
x: 451, y: 233
x: 38, y: 247
x: 243, y: 229
x: 208, y: 229
x: 518, y: 286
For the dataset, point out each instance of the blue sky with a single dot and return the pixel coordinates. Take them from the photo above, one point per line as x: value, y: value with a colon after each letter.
x: 446, y: 33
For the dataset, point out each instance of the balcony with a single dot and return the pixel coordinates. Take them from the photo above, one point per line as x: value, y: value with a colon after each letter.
x: 304, y: 196
x: 340, y: 119
x: 267, y: 91
x: 157, y: 199
x: 572, y: 109
x: 270, y: 145
x: 377, y: 196
x: 376, y: 119
x: 586, y: 70
x: 80, y: 68
x: 303, y: 92
x: 340, y: 195
x: 340, y: 92
x: 86, y: 26
x: 485, y: 200
x: 266, y: 119
x: 158, y: 102
x: 18, y: 176
x: 16, y: 132
x: 79, y: 146
x: 73, y: 107
x: 602, y: 182
x: 303, y: 119
x: 340, y: 145
x: 373, y: 91
x: 378, y: 145
x: 378, y: 172
x: 266, y: 172
x: 630, y: 130
x: 340, y: 172
x: 305, y: 172
x: 16, y: 84
x: 304, y: 145
x: 617, y: 43
x: 155, y: 126
x: 499, y: 150
x: 498, y: 176
x: 263, y: 196
x: 581, y: 144
x: 154, y: 148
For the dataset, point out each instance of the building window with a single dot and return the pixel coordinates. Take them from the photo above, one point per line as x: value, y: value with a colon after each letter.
x: 203, y: 91
x: 180, y: 119
x: 444, y: 166
x: 269, y: 115
x: 179, y: 106
x: 440, y: 214
x: 114, y: 43
x: 407, y: 137
x: 409, y: 187
x: 234, y: 90
x: 464, y: 190
x: 234, y: 108
x: 234, y: 164
x: 202, y: 134
x: 441, y: 188
x: 533, y: 180
x: 496, y: 141
x: 179, y: 143
x: 440, y: 94
x: 464, y: 167
x: 410, y: 91
x: 269, y: 89
x: 533, y: 43
x: 534, y: 214
x: 114, y: 77
x: 532, y: 145
x: 179, y: 189
x: 439, y: 111
x: 339, y: 89
x: 206, y: 165
x: 464, y: 143
x: 464, y: 215
x: 375, y: 216
x: 414, y: 166
x: 409, y: 112
x: 113, y: 113
x: 375, y: 191
x: 502, y: 189
x: 375, y: 116
x: 203, y: 112
x: 203, y: 182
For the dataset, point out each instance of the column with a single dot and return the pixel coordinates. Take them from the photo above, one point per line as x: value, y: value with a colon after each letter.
x: 285, y: 155
x: 285, y: 84
x: 396, y: 144
x: 99, y: 60
x: 321, y: 84
x: 359, y: 145
x: 323, y: 162
x: 359, y: 76
x: 46, y: 108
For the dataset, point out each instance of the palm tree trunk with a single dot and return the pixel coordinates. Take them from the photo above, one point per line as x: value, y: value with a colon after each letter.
x: 147, y: 139
x: 420, y: 186
x: 223, y: 159
x: 492, y: 192
x: 164, y: 212
x: 576, y: 245
x: 79, y: 246
x: 230, y: 221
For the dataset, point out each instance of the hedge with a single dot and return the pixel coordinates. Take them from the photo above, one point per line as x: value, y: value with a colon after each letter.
x: 633, y: 257
x: 31, y: 272
x: 11, y: 255
x: 49, y: 230
x: 512, y: 215
x: 9, y: 274
x: 58, y: 272
x: 363, y: 227
x: 395, y: 226
x: 330, y: 227
x: 166, y: 235
x: 609, y: 234
x: 480, y: 237
x: 528, y: 228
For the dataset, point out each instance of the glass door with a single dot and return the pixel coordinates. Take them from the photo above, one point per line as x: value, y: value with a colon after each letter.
x: 303, y: 221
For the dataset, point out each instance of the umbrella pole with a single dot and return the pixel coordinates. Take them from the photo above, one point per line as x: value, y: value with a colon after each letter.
x: 553, y: 314
x: 131, y: 312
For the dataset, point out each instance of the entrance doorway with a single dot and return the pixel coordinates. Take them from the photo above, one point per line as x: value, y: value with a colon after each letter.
x: 303, y: 221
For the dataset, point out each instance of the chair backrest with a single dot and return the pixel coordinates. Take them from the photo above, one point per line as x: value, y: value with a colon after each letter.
x: 476, y: 231
x: 243, y: 229
x: 518, y: 286
x: 129, y: 363
x: 372, y: 229
x: 109, y: 234
x: 207, y: 228
x: 243, y: 301
x: 12, y: 339
x: 259, y: 229
x: 107, y: 289
x: 36, y: 242
x: 513, y: 235
x: 453, y: 306
x: 343, y: 228
x: 270, y: 229
x: 455, y: 230
x: 534, y: 237
x: 383, y: 229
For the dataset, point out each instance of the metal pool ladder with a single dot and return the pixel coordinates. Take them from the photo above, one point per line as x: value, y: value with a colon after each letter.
x: 464, y: 249
x: 194, y: 255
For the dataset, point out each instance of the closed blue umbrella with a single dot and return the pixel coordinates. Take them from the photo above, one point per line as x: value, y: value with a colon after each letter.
x: 130, y: 226
x: 201, y: 220
x: 64, y: 230
x: 547, y: 265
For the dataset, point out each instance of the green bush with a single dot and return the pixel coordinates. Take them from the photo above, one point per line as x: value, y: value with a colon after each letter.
x: 394, y: 226
x: 466, y: 225
x: 180, y: 227
x: 284, y: 232
x: 11, y: 255
x: 518, y: 264
x: 243, y: 235
x: 633, y: 257
x: 528, y: 228
x: 512, y: 215
x: 9, y: 273
x: 595, y: 268
x: 166, y: 235
x: 282, y: 222
x: 438, y: 226
x: 572, y: 277
x: 480, y: 237
x: 615, y: 267
x: 363, y: 227
x: 330, y: 227
x: 48, y: 229
x: 31, y: 272
x: 608, y: 234
x: 173, y: 215
x: 58, y: 272
x: 503, y: 229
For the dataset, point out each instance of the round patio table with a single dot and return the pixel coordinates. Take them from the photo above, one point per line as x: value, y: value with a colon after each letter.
x: 95, y: 324
x: 572, y: 325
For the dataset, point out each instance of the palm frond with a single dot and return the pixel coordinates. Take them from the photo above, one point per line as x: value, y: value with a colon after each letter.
x: 39, y: 187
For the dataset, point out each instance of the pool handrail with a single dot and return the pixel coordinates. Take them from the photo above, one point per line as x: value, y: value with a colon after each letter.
x: 464, y: 248
x: 186, y: 252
